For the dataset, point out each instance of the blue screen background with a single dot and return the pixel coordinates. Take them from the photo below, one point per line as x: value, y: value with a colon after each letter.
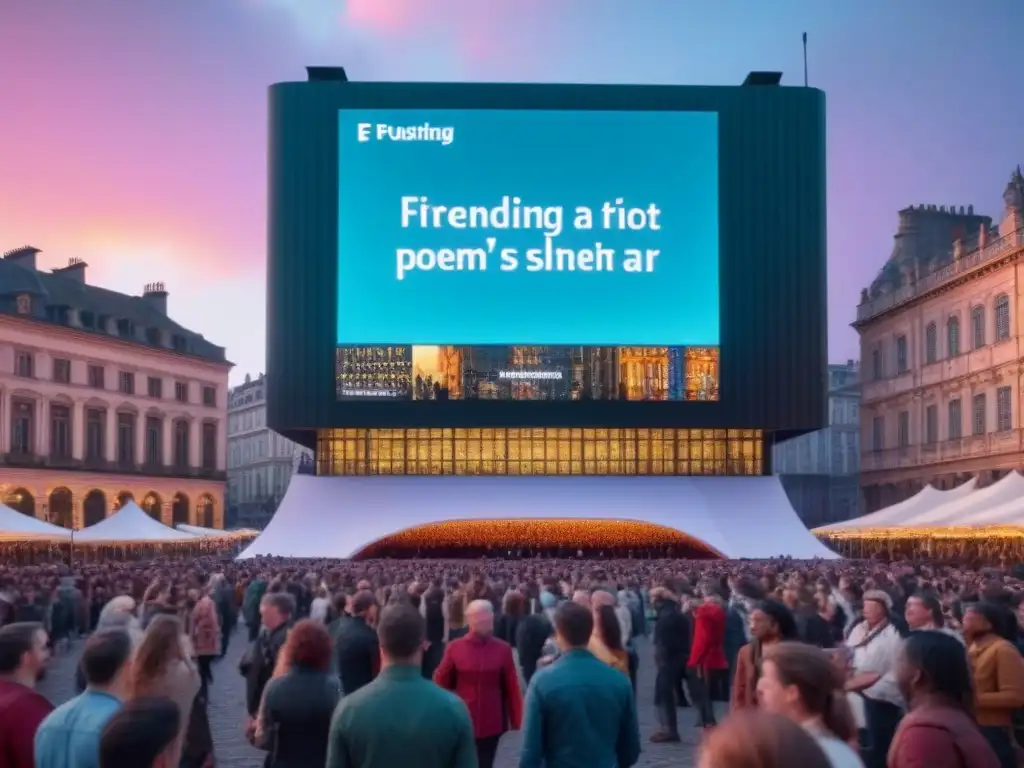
x: 566, y: 158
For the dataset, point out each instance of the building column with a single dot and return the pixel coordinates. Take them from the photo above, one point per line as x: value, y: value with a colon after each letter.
x: 195, y: 443
x: 110, y: 449
x: 77, y: 513
x: 222, y: 446
x: 140, y: 439
x: 5, y: 421
x: 78, y: 430
x: 111, y: 500
x: 168, y: 441
x: 41, y: 445
x: 167, y: 513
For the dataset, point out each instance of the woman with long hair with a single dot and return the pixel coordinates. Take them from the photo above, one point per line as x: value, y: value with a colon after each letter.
x: 751, y: 739
x: 939, y: 730
x: 606, y: 639
x: 802, y: 683
x: 457, y: 616
x: 294, y: 719
x: 205, y: 632
x: 770, y: 622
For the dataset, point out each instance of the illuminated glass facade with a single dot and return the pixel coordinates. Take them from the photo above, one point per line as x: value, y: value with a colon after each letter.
x: 541, y: 451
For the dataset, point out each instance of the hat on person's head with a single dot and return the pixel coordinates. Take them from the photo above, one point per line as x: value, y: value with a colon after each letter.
x: 878, y: 596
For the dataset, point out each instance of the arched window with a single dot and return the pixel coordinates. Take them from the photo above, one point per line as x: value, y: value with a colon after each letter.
x: 953, y: 336
x: 1002, y: 317
x: 978, y: 327
x: 931, y: 343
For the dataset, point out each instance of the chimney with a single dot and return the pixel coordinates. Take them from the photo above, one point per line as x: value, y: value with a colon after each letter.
x: 24, y: 256
x: 75, y: 270
x: 156, y: 296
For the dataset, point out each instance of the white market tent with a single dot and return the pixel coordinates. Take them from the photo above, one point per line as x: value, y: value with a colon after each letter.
x: 14, y: 526
x: 131, y: 525
x: 964, y: 512
x: 211, y: 533
x: 892, y: 516
x: 339, y: 517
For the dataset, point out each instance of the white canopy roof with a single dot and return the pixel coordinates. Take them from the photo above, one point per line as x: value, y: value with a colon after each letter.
x: 893, y: 516
x: 198, y: 530
x: 130, y: 524
x: 14, y: 526
x: 338, y: 517
x: 966, y: 511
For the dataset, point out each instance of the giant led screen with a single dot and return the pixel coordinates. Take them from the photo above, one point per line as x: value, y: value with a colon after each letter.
x: 527, y: 254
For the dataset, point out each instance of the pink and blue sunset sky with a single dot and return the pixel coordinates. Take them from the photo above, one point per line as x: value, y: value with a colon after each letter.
x: 134, y: 131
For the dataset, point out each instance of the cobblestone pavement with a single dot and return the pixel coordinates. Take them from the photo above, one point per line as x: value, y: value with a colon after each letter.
x: 227, y: 713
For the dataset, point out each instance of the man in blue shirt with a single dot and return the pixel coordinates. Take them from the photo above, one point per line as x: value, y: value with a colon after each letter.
x: 580, y: 711
x: 70, y: 736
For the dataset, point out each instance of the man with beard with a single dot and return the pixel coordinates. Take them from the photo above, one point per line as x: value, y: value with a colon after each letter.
x: 23, y: 657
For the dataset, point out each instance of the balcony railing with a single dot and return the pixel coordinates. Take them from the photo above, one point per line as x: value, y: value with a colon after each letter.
x: 968, y: 262
x: 23, y: 459
x: 924, y: 454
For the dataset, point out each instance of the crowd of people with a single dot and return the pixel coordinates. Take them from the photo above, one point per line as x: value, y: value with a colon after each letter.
x: 383, y: 663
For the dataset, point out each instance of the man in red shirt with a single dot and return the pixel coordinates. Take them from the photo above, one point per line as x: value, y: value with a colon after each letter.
x: 707, y: 654
x: 480, y: 670
x: 23, y: 658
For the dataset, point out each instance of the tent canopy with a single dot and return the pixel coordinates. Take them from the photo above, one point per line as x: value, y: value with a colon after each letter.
x: 338, y: 517
x: 892, y: 516
x: 14, y: 526
x: 964, y: 512
x: 130, y: 525
x: 197, y: 530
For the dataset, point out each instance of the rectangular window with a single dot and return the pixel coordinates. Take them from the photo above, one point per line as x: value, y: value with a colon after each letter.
x: 956, y: 419
x: 181, y: 391
x: 978, y: 414
x: 878, y: 433
x: 181, y: 447
x: 95, y: 434
x: 901, y: 354
x: 127, y: 383
x: 876, y: 364
x: 97, y: 379
x: 61, y: 370
x: 209, y: 446
x: 1004, y: 409
x: 24, y: 365
x: 931, y: 424
x: 23, y: 426
x: 210, y: 396
x: 903, y: 429
x: 154, y: 441
x: 125, y: 439
x: 60, y: 432
x: 155, y: 387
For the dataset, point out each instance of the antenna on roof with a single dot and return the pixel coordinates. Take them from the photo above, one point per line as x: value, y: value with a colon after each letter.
x: 805, y: 59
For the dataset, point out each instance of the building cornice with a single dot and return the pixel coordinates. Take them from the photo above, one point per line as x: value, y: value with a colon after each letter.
x: 112, y: 341
x: 967, y: 268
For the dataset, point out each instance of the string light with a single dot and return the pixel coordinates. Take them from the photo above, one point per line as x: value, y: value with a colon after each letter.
x: 548, y: 533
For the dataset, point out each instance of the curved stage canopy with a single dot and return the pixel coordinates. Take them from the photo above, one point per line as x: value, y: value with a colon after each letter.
x: 926, y: 499
x: 343, y: 517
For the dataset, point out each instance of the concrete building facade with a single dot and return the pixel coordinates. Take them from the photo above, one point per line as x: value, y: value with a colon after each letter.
x: 820, y: 469
x: 260, y: 461
x: 941, y: 332
x: 105, y: 399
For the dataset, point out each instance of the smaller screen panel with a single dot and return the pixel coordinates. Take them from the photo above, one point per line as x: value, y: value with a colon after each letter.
x: 437, y: 373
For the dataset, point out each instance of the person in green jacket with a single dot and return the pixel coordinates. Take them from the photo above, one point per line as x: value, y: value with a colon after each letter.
x: 401, y: 718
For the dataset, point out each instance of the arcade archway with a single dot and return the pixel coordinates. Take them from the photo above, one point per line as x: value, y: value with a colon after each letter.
x: 540, y: 537
x: 179, y: 509
x: 61, y: 508
x: 206, y: 512
x: 22, y: 500
x: 94, y: 507
x: 152, y: 504
x: 123, y: 498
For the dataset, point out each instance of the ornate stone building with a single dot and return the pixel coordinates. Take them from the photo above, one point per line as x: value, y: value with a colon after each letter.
x: 104, y: 398
x: 941, y: 359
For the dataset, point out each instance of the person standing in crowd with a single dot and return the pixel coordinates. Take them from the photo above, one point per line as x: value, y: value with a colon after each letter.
x: 457, y: 616
x: 671, y: 651
x: 295, y: 714
x: 513, y: 606
x: 707, y: 660
x: 606, y: 640
x: 206, y: 636
x: 480, y: 669
x: 800, y: 682
x: 24, y: 654
x: 579, y: 711
x: 433, y: 614
x: 401, y: 719
x: 142, y: 734
x: 770, y: 623
x: 533, y: 632
x: 163, y: 667
x: 251, y: 605
x: 751, y: 739
x: 70, y: 736
x: 355, y: 645
x: 227, y: 609
x: 939, y: 730
x: 874, y: 696
x: 998, y: 672
x: 260, y: 660
x: 923, y: 612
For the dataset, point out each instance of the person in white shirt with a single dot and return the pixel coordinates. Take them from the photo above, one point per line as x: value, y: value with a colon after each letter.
x: 873, y: 692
